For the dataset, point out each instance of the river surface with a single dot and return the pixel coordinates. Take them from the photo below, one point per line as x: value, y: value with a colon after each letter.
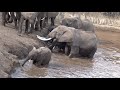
x: 105, y: 64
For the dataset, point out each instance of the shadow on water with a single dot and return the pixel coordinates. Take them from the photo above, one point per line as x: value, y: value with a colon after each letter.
x: 105, y: 64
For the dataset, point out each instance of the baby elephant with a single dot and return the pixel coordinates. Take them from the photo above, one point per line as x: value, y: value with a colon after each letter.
x: 41, y: 56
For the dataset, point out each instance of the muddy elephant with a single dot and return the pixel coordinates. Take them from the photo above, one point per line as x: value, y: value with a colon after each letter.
x: 77, y: 23
x: 77, y: 43
x: 41, y: 56
x: 29, y: 17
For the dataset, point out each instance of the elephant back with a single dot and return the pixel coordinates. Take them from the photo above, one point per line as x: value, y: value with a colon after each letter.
x: 84, y: 39
x: 52, y: 14
x: 29, y: 15
x: 87, y: 25
x: 72, y: 22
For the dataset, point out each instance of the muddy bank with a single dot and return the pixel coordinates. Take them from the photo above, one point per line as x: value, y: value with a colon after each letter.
x: 13, y: 48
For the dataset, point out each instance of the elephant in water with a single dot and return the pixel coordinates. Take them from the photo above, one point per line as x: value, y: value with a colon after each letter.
x: 77, y: 42
x: 41, y: 56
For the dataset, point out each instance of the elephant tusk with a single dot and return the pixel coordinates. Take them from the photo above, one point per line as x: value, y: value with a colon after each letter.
x: 43, y: 18
x: 43, y: 38
x: 9, y: 13
x: 15, y: 14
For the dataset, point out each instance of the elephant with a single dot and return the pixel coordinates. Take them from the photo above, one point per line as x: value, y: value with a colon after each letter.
x: 52, y: 16
x: 77, y: 23
x: 87, y: 25
x: 16, y: 18
x: 77, y: 42
x: 72, y: 22
x: 41, y: 56
x: 39, y: 20
x: 9, y: 17
x: 29, y: 17
x: 6, y: 18
x: 43, y: 18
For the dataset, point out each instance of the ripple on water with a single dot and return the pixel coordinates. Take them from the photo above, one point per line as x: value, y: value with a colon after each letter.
x: 61, y: 66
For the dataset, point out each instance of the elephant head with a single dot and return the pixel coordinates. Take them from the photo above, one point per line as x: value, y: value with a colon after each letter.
x: 72, y: 22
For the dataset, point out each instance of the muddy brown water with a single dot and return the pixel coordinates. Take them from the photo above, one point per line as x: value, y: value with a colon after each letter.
x: 105, y: 64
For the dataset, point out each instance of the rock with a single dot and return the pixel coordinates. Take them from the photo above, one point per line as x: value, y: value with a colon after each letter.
x: 3, y: 74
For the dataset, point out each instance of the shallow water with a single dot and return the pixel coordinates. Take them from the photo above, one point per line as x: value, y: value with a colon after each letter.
x: 106, y: 64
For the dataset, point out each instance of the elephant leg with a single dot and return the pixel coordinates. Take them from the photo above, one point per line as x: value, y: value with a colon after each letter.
x: 7, y: 17
x: 52, y: 21
x: 45, y: 22
x: 20, y: 24
x: 67, y: 50
x: 38, y: 24
x: 4, y: 18
x: 74, y: 52
x: 26, y: 26
x: 15, y: 22
x: 54, y: 43
x: 41, y: 24
x: 92, y: 53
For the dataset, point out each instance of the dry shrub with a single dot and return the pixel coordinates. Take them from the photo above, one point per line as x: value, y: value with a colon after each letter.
x: 96, y: 17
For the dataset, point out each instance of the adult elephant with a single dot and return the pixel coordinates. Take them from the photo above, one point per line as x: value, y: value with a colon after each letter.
x: 6, y: 18
x: 9, y: 17
x: 72, y: 22
x: 41, y: 56
x: 42, y: 19
x: 51, y: 16
x: 78, y: 42
x: 16, y: 18
x: 87, y: 25
x: 77, y: 23
x: 29, y: 17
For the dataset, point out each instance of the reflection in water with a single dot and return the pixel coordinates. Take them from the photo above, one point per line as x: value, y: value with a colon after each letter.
x: 102, y: 66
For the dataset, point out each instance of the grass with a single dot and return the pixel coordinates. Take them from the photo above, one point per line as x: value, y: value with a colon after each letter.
x: 96, y: 17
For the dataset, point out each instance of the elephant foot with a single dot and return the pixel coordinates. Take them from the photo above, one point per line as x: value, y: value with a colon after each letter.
x: 19, y: 34
x: 70, y: 56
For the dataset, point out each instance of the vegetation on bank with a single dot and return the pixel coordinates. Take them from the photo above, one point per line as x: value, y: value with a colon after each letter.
x: 100, y: 18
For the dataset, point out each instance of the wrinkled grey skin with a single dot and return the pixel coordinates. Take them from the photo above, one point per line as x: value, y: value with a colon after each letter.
x: 77, y: 23
x: 41, y: 56
x: 87, y: 25
x: 29, y: 17
x: 72, y: 22
x: 79, y: 43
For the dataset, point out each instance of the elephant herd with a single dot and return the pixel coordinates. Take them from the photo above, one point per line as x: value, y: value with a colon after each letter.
x: 75, y: 37
x: 33, y: 20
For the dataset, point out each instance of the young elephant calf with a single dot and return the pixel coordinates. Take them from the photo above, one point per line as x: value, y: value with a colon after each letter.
x: 41, y: 56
